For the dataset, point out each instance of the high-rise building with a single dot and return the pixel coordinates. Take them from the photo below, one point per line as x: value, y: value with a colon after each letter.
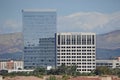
x: 39, y: 28
x: 76, y: 49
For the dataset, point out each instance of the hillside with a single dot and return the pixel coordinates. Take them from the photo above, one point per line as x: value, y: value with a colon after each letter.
x: 109, y: 40
x: 108, y: 45
x: 11, y: 43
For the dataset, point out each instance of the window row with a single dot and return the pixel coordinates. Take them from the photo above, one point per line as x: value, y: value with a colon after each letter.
x: 75, y: 50
x: 76, y: 54
x: 76, y: 60
x: 76, y: 47
x: 76, y: 39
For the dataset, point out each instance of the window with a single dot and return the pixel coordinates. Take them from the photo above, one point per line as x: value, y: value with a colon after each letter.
x: 78, y: 39
x: 68, y: 40
x: 83, y: 59
x: 88, y: 56
x: 58, y: 39
x: 83, y: 66
x: 78, y: 56
x: 88, y: 66
x: 88, y: 53
x: 83, y: 56
x: 79, y: 60
x: 73, y: 40
x: 83, y: 53
x: 93, y: 41
x: 63, y: 39
x: 83, y: 39
x: 88, y: 39
x: 83, y: 69
x: 78, y: 53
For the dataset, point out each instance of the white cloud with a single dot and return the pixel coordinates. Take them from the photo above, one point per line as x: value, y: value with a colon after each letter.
x: 76, y: 22
x: 89, y: 21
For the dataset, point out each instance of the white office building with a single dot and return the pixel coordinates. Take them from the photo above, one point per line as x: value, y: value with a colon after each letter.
x: 76, y: 49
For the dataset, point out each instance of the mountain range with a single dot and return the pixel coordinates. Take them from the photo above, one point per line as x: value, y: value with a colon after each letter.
x: 108, y: 45
x: 109, y: 40
x: 11, y: 43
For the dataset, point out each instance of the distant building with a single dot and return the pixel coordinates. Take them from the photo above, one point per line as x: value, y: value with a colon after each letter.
x: 1, y: 78
x: 39, y: 28
x: 23, y: 70
x: 118, y: 58
x: 109, y: 63
x: 76, y: 49
x: 11, y: 65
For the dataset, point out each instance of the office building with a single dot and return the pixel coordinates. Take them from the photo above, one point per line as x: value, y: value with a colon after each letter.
x: 39, y: 28
x: 76, y: 49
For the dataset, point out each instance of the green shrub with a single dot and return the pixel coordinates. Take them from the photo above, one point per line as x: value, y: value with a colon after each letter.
x: 52, y: 78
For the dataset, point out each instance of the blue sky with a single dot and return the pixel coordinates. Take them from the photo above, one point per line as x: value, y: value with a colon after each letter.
x: 98, y: 16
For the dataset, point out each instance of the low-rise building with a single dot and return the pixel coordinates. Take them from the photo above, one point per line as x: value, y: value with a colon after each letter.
x: 109, y: 63
x: 11, y: 64
x: 23, y: 70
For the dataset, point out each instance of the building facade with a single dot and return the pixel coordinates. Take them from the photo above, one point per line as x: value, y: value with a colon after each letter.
x: 77, y: 49
x: 39, y: 28
x: 109, y: 63
x: 11, y: 65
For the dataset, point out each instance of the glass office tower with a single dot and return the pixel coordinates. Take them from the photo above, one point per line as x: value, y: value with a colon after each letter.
x: 39, y: 28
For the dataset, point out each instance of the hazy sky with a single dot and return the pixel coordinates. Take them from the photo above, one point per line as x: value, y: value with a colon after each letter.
x: 98, y: 16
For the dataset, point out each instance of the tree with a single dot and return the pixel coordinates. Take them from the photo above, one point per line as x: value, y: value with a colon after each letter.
x: 116, y: 71
x: 39, y: 71
x: 53, y: 71
x: 62, y: 69
x: 72, y: 70
x: 103, y: 70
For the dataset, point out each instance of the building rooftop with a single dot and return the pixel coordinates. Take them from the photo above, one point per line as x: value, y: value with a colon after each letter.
x: 38, y: 10
x: 86, y: 33
x: 7, y: 60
